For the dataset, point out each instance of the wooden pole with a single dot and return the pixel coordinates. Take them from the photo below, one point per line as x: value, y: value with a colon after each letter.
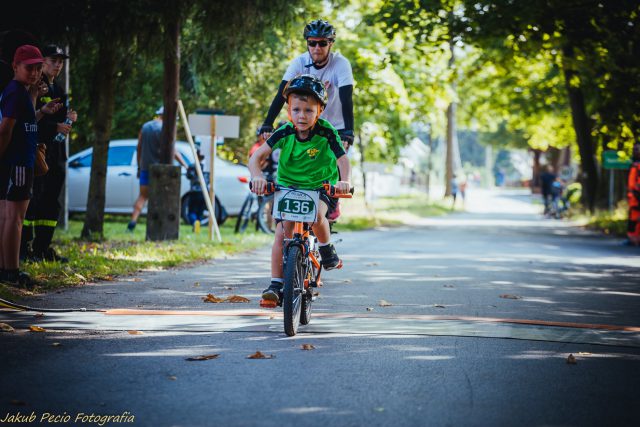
x: 212, y: 217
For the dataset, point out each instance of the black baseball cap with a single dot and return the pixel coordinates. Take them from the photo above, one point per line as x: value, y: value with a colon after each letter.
x: 54, y: 50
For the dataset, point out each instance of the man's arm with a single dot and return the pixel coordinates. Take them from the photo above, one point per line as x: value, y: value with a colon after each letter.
x: 179, y: 158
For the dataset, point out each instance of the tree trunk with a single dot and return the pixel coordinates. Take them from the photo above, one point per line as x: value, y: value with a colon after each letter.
x: 103, y: 101
x: 453, y: 153
x: 161, y: 208
x: 582, y: 127
x: 171, y: 80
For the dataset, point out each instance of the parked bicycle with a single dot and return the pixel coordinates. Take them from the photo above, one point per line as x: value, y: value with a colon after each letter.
x: 256, y: 209
x: 302, y: 268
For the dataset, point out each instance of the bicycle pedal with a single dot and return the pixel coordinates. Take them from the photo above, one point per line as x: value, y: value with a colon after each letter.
x: 265, y: 303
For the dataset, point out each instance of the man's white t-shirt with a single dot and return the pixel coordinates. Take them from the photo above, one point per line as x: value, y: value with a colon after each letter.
x: 337, y: 72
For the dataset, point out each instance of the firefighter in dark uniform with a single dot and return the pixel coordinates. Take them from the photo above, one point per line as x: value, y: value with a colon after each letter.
x: 44, y: 209
x: 633, y: 196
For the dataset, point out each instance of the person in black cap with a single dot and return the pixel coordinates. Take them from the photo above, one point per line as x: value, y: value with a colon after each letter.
x: 44, y: 210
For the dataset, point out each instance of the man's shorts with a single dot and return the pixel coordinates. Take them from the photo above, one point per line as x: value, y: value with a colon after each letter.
x: 16, y: 183
x: 144, y: 177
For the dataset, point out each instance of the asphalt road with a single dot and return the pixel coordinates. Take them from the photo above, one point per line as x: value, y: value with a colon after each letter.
x: 486, y: 307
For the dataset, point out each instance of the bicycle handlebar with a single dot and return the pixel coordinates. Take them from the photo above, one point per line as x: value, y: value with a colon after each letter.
x: 272, y: 187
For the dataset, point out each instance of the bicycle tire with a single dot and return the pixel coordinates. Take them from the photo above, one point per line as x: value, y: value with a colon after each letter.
x: 293, y: 291
x: 245, y: 215
x: 307, y: 300
x: 265, y: 222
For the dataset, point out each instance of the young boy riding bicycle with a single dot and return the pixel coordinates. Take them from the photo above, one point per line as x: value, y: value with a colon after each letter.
x: 311, y: 153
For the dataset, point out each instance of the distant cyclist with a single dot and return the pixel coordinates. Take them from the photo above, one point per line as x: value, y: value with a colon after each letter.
x: 333, y: 69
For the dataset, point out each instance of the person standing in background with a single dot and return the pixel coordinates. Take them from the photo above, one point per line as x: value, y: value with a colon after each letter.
x: 44, y: 209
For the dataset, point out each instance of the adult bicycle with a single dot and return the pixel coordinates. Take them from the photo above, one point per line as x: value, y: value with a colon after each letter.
x: 302, y: 268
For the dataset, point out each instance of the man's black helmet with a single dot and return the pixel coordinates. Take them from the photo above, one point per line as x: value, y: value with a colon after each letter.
x: 309, y: 84
x: 319, y: 28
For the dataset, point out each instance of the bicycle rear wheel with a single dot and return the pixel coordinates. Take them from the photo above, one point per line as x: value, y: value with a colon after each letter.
x: 245, y: 215
x: 293, y: 291
x: 266, y: 223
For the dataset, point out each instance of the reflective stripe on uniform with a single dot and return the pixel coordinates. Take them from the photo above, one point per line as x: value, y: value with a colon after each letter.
x: 40, y: 222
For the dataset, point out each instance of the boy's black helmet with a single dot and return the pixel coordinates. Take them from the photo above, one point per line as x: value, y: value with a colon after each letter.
x: 309, y: 84
x: 319, y: 28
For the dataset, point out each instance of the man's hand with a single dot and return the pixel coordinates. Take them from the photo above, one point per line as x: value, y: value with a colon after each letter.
x: 346, y: 136
x: 258, y: 185
x: 63, y: 129
x: 51, y: 107
x: 72, y: 115
x: 265, y: 131
x: 342, y: 187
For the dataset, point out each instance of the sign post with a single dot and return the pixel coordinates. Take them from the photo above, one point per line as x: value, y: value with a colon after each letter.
x: 611, y: 160
x: 215, y: 126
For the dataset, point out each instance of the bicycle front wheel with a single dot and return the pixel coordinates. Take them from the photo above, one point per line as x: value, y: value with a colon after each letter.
x: 293, y: 291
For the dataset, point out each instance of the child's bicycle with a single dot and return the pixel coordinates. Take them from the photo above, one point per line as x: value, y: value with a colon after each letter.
x: 301, y: 263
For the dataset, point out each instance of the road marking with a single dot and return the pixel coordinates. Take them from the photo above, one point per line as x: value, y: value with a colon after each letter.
x: 224, y: 313
x: 329, y: 325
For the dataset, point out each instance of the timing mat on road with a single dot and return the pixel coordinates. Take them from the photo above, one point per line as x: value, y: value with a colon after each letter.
x: 329, y: 323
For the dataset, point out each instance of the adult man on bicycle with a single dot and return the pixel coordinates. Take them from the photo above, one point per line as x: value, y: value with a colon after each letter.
x: 331, y: 68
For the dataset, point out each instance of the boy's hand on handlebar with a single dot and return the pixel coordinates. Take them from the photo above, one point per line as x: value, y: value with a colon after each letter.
x: 342, y: 187
x: 258, y: 185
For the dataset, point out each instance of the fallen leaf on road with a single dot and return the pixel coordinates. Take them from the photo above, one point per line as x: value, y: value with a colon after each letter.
x: 273, y: 316
x: 236, y: 298
x: 37, y: 315
x: 135, y: 333
x: 196, y: 284
x: 229, y: 288
x: 371, y: 264
x: 369, y: 308
x: 37, y: 329
x: 172, y: 377
x: 206, y: 357
x: 55, y: 344
x: 571, y: 360
x: 137, y: 279
x: 384, y: 303
x: 6, y: 328
x: 260, y: 355
x: 448, y: 286
x: 509, y: 296
x: 439, y: 306
x: 307, y: 347
x: 346, y: 281
x: 378, y: 409
x: 212, y: 298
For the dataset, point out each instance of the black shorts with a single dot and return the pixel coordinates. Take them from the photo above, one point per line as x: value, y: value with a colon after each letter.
x: 16, y: 183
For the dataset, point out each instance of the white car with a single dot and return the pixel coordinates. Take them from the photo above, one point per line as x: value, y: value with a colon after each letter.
x: 231, y: 180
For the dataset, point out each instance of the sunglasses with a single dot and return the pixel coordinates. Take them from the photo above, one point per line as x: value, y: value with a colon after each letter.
x: 314, y: 43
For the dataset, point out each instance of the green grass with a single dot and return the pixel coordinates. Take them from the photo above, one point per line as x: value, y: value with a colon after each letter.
x: 123, y: 253
x: 388, y: 211
x: 612, y: 223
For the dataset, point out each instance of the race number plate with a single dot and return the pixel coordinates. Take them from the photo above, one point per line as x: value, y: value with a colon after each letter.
x: 295, y: 205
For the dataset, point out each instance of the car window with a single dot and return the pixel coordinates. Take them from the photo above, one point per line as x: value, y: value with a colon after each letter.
x: 120, y: 156
x: 84, y: 162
